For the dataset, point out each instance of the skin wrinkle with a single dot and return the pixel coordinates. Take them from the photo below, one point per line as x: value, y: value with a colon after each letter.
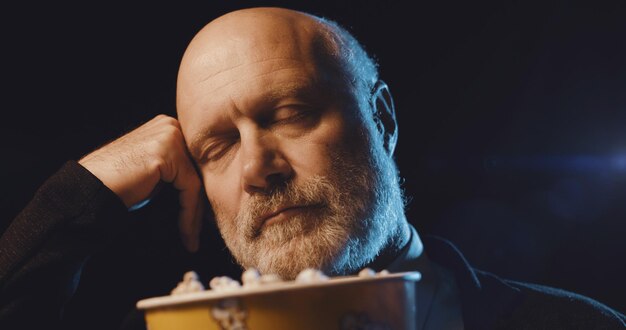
x: 207, y: 92
x: 256, y: 76
x: 275, y: 96
x: 242, y: 64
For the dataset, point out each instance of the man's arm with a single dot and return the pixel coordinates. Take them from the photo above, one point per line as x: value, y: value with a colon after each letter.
x: 134, y: 164
x: 80, y: 209
x: 44, y: 248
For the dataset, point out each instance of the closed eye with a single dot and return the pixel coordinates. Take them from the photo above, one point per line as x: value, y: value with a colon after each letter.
x: 293, y: 114
x: 219, y: 150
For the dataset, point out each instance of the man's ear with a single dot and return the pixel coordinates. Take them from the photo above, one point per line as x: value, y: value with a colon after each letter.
x: 384, y: 113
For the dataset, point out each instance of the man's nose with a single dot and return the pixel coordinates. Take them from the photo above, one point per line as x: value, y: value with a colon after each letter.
x: 264, y: 165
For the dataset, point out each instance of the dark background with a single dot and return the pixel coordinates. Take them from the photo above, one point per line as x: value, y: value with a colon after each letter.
x: 512, y: 129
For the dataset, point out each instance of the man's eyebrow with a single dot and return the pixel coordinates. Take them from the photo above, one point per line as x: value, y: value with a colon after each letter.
x: 296, y: 89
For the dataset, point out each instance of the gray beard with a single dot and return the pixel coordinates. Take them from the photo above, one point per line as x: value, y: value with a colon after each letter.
x: 358, y: 212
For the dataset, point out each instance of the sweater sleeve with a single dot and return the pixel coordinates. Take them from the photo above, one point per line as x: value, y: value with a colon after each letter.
x: 42, y: 251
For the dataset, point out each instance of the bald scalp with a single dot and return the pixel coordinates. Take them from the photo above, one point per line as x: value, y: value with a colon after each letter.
x: 319, y: 41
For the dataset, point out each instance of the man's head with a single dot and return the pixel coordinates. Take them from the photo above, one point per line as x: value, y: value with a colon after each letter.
x: 278, y: 109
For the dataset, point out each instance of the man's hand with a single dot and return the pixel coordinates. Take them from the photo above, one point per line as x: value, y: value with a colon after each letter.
x: 134, y: 164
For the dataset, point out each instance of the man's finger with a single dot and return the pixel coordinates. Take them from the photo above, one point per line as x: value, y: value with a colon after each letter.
x: 189, y: 220
x: 188, y: 182
x: 195, y: 227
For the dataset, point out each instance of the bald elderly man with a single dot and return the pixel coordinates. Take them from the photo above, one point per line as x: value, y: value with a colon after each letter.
x: 284, y: 125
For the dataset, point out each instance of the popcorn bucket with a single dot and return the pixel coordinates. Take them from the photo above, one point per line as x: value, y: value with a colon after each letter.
x: 383, y: 301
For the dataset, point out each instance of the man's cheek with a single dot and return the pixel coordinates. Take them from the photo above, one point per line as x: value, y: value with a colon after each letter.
x: 217, y: 206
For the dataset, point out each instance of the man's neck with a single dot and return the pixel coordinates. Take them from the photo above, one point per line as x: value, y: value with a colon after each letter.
x: 396, y: 244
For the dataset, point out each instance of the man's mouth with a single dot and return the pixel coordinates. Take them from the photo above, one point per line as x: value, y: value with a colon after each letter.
x: 283, y: 213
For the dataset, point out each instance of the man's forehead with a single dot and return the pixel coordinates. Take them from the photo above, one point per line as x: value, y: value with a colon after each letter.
x: 224, y: 51
x: 251, y: 34
x: 241, y: 54
x: 245, y: 75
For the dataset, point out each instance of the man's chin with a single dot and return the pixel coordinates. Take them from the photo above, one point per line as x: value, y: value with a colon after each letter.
x: 288, y: 257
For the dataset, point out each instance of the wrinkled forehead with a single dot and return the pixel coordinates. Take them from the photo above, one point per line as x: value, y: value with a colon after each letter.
x: 237, y: 56
x: 238, y: 45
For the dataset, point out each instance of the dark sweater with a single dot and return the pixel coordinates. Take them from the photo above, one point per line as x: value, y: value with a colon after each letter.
x: 73, y: 215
